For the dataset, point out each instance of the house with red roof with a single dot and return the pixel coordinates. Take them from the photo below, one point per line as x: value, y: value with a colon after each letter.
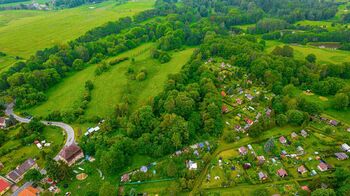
x: 243, y: 150
x: 2, y: 123
x: 70, y: 154
x: 282, y: 173
x: 249, y: 121
x: 223, y: 93
x: 4, y: 186
x: 224, y: 109
x: 322, y: 166
x: 29, y: 191
x: 283, y: 140
x: 302, y: 169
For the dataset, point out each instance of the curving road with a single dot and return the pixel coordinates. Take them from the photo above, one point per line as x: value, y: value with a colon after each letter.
x: 67, y: 128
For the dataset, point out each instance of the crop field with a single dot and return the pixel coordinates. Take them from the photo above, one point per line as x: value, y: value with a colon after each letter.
x: 23, y: 32
x: 111, y: 85
x: 323, y: 55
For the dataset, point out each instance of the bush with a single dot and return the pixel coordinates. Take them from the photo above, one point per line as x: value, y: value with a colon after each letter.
x: 118, y: 60
x: 141, y: 76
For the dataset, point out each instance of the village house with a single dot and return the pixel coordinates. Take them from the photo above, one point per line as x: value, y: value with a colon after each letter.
x: 302, y: 169
x: 2, y: 123
x: 341, y: 156
x: 191, y: 165
x: 283, y: 140
x: 268, y: 112
x: 29, y: 191
x: 261, y: 159
x: 239, y: 101
x: 303, y: 133
x: 247, y: 166
x: 282, y: 173
x: 17, y: 174
x: 249, y: 121
x: 333, y: 122
x: 70, y: 154
x: 125, y: 178
x: 224, y: 109
x: 294, y: 135
x: 223, y: 93
x: 322, y: 166
x: 4, y: 185
x: 300, y: 150
x: 306, y: 188
x: 249, y: 97
x: 345, y: 147
x: 243, y: 150
x: 262, y: 176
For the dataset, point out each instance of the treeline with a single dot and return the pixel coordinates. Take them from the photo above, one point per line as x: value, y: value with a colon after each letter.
x: 304, y: 37
x: 73, y: 3
x: 293, y: 10
x: 11, y: 1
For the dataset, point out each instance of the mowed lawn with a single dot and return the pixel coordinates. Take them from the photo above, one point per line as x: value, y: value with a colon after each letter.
x: 323, y: 55
x: 23, y: 32
x: 110, y: 86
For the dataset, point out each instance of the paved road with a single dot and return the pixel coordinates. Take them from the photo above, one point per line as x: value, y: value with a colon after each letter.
x: 67, y: 128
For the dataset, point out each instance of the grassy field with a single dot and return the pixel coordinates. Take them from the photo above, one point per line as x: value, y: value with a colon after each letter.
x: 19, y: 153
x: 110, y: 86
x: 323, y: 55
x: 23, y: 32
x: 326, y: 104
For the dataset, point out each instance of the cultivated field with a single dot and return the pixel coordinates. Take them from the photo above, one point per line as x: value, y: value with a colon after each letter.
x: 23, y: 32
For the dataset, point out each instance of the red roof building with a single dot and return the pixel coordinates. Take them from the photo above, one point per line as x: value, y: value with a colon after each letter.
x: 70, y: 154
x: 223, y: 93
x: 4, y: 186
x: 29, y: 191
x: 322, y: 166
x: 224, y: 109
x: 2, y: 122
x: 283, y: 140
x: 282, y: 173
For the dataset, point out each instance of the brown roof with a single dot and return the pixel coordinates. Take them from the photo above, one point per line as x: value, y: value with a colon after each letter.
x: 21, y: 169
x: 69, y: 152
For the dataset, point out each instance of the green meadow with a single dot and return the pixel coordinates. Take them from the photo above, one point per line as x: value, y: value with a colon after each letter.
x: 323, y: 55
x: 23, y: 32
x: 110, y: 86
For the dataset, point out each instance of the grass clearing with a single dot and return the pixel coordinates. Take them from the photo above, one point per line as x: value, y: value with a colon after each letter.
x: 323, y: 55
x: 23, y: 32
x: 111, y: 85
